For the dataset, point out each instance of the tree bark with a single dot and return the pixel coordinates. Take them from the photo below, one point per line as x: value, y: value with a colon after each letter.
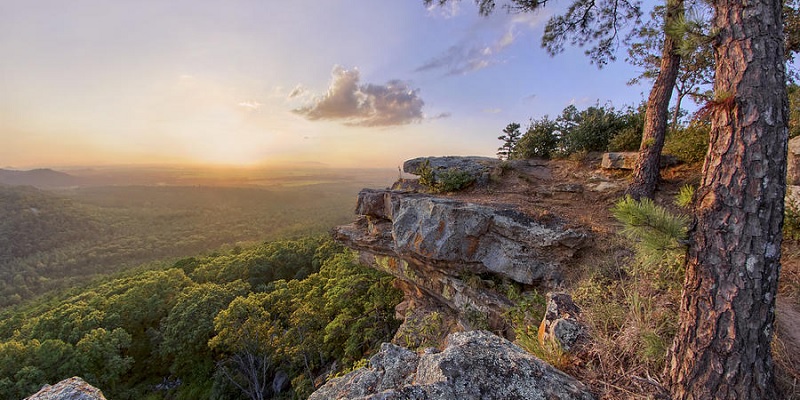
x: 722, y: 347
x: 646, y: 170
x: 677, y: 111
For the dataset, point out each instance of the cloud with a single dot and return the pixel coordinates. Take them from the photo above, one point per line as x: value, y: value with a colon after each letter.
x: 462, y: 59
x: 446, y: 11
x: 298, y: 91
x: 365, y: 104
x: 441, y: 115
x: 470, y: 56
x: 492, y: 110
x: 252, y: 105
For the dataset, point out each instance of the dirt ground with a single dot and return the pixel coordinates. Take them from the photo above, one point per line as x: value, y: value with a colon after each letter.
x: 580, y: 193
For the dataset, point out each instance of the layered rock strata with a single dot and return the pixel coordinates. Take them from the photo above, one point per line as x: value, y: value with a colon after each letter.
x: 447, y: 249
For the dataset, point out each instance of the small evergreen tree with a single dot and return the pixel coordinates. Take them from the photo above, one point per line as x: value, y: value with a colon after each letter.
x: 510, y: 138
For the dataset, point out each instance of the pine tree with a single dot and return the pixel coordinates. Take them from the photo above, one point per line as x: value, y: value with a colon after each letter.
x: 510, y: 139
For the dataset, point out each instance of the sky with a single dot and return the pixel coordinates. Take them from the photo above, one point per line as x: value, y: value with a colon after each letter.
x: 346, y: 83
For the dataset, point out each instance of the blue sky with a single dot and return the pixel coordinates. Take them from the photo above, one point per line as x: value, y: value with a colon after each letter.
x: 345, y: 83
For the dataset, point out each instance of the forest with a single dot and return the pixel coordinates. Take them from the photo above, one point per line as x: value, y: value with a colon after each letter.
x: 55, y: 239
x: 199, y: 327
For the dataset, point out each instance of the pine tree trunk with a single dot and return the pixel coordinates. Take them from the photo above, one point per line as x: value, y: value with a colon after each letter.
x: 677, y: 111
x: 722, y: 347
x: 646, y: 170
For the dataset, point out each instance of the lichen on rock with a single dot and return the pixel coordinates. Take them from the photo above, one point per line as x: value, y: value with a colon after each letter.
x: 73, y: 388
x: 474, y: 365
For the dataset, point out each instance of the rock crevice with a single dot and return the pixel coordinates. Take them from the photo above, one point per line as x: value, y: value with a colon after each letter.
x: 447, y: 249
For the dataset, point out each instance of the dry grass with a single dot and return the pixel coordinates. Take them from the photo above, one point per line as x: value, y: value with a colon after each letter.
x: 631, y: 313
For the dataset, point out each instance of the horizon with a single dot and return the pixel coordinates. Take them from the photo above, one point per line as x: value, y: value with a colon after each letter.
x: 347, y: 84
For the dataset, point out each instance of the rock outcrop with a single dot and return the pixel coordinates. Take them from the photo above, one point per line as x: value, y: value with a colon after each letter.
x: 475, y: 365
x: 480, y: 168
x: 446, y: 249
x: 623, y: 160
x: 73, y: 388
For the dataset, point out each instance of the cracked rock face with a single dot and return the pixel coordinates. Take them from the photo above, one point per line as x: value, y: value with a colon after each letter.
x: 474, y: 365
x: 461, y: 236
x: 447, y: 248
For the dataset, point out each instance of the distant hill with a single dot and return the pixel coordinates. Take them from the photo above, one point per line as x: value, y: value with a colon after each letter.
x: 32, y: 220
x: 43, y: 178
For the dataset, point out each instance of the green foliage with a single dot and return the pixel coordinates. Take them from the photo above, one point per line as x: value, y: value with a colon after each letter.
x: 51, y: 240
x: 450, y: 180
x: 685, y: 196
x: 658, y: 234
x: 453, y: 180
x: 509, y: 138
x: 596, y: 128
x: 627, y: 139
x: 689, y: 144
x: 540, y: 140
x: 425, y: 173
x: 475, y: 318
x: 195, y: 320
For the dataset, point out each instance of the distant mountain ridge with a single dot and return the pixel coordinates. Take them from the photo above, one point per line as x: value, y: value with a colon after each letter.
x: 41, y: 178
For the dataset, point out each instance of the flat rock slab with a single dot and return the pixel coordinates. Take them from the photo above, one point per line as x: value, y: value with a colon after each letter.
x: 460, y: 236
x: 479, y: 168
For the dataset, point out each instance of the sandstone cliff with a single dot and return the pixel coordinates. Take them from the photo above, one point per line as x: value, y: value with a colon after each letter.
x: 443, y: 249
x: 458, y: 260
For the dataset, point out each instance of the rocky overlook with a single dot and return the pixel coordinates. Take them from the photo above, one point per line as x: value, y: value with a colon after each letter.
x: 455, y: 256
x: 438, y: 245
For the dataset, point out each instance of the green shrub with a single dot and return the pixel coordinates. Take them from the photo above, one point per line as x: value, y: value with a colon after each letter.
x: 689, y: 144
x: 627, y: 139
x: 453, y: 180
x: 684, y: 198
x: 629, y: 135
x: 658, y: 233
x: 540, y: 140
x: 587, y: 130
x: 425, y: 173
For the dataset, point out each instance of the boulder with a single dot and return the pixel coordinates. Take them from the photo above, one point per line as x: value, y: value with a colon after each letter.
x: 560, y: 324
x: 474, y: 365
x: 619, y: 160
x: 73, y: 388
x: 480, y: 168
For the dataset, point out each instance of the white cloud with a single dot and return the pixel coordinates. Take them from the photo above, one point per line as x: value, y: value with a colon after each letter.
x: 252, y: 105
x: 449, y: 10
x: 470, y: 55
x: 298, y: 91
x: 393, y: 103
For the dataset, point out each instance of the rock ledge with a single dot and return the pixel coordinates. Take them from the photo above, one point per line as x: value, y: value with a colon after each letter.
x: 474, y: 365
